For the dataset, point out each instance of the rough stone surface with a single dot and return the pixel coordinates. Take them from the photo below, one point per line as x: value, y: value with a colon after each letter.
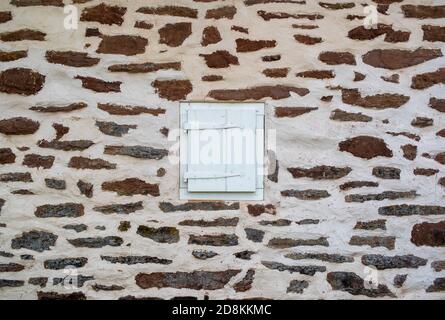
x: 429, y: 234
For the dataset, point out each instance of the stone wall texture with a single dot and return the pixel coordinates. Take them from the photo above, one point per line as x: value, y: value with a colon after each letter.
x: 86, y: 181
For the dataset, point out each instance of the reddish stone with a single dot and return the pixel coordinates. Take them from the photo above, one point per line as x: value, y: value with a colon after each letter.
x: 246, y: 45
x: 257, y: 93
x: 7, y: 156
x: 210, y: 35
x: 131, y: 186
x: 366, y: 147
x: 429, y: 79
x: 22, y: 35
x: 21, y: 81
x: 175, y: 11
x: 437, y: 104
x: 308, y: 40
x: 37, y: 161
x: 174, y: 34
x: 292, y: 112
x: 429, y: 234
x: 104, y: 14
x: 397, y: 59
x: 121, y: 110
x: 18, y: 126
x: 220, y: 59
x: 99, y: 85
x: 123, y: 45
x: 219, y: 13
x: 423, y: 12
x: 379, y: 101
x: 173, y: 90
x: 71, y: 58
x: 336, y: 58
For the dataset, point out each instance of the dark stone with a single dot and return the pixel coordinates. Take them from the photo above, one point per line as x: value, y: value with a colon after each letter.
x: 429, y: 79
x: 276, y: 223
x: 245, y: 284
x: 145, y: 67
x: 77, y: 281
x: 219, y: 13
x: 429, y: 234
x: 210, y: 35
x: 76, y: 145
x: 203, y: 254
x: 325, y: 257
x: 320, y: 172
x: 120, y: 208
x: 60, y: 296
x: 282, y: 243
x: 16, y: 177
x: 297, y: 286
x: 132, y: 260
x: 23, y: 35
x: 59, y: 108
x: 306, y: 270
x: 34, y: 240
x: 39, y: 281
x: 124, y: 226
x: 120, y: 110
x: 399, y: 280
x: 4, y: 283
x: 220, y: 59
x: 99, y: 85
x: 276, y: 92
x: 340, y: 115
x: 374, y: 241
x: 355, y: 285
x: 292, y: 112
x: 423, y: 12
x: 219, y: 222
x: 76, y: 227
x: 161, y: 235
x: 306, y: 194
x: 371, y: 225
x: 85, y: 188
x: 198, y: 206
x: 438, y: 266
x: 219, y: 240
x: 99, y: 287
x: 97, y: 242
x: 55, y: 184
x: 59, y: 264
x: 104, y: 14
x: 409, y: 151
x: 410, y: 210
x: 386, y: 195
x: 244, y: 255
x: 393, y: 59
x: 254, y: 235
x: 437, y: 286
x: 246, y: 45
x: 422, y: 122
x: 65, y: 210
x: 358, y: 184
x: 139, y: 152
x: 276, y: 72
x: 397, y: 262
x: 11, y: 267
x: 337, y: 58
x: 380, y: 101
x: 175, y: 11
x: 114, y: 129
x: 197, y: 280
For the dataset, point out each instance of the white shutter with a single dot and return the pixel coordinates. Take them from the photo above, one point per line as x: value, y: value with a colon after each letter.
x: 221, y: 150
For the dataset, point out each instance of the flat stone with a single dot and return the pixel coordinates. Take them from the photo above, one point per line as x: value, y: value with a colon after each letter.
x: 160, y: 235
x: 34, y: 240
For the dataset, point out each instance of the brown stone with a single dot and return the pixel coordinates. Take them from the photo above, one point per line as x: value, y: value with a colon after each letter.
x: 337, y: 6
x: 5, y: 16
x: 292, y: 112
x: 397, y: 59
x: 425, y: 172
x: 198, y: 206
x: 272, y: 58
x: 7, y: 156
x: 104, y: 14
x: 245, y: 284
x: 437, y: 286
x: 441, y: 133
x: 386, y: 172
x: 197, y: 280
x: 336, y: 58
x: 256, y: 210
x: 437, y: 104
x: 123, y: 45
x: 65, y: 210
x: 433, y: 33
x: 267, y: 16
x: 120, y: 208
x: 12, y: 55
x: 371, y: 225
x: 173, y: 90
x: 61, y: 296
x: 219, y: 13
x: 317, y: 74
x: 429, y: 234
x: 99, y: 85
x: 121, y: 110
x: 91, y: 164
x: 18, y: 126
x: 212, y: 78
x: 11, y: 267
x: 429, y: 79
x: 257, y: 93
x: 362, y: 33
x: 75, y: 145
x: 71, y: 58
x: 160, y: 235
x: 374, y: 242
x: 37, y: 161
x: 308, y: 40
x: 276, y: 72
x: 22, y: 35
x: 409, y: 151
x: 359, y: 76
x: 440, y: 158
x: 174, y: 34
x: 131, y: 186
x: 210, y: 35
x: 366, y: 147
x: 246, y: 45
x: 21, y: 81
x: 379, y: 101
x: 30, y: 3
x: 145, y: 67
x: 340, y: 115
x: 175, y: 11
x: 219, y: 222
x: 423, y: 12
x: 220, y: 59
x: 358, y: 184
x: 320, y: 172
x: 62, y: 108
x: 114, y: 129
x: 143, y: 25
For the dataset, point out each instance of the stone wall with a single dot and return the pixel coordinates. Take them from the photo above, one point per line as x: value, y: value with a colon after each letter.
x: 85, y: 179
